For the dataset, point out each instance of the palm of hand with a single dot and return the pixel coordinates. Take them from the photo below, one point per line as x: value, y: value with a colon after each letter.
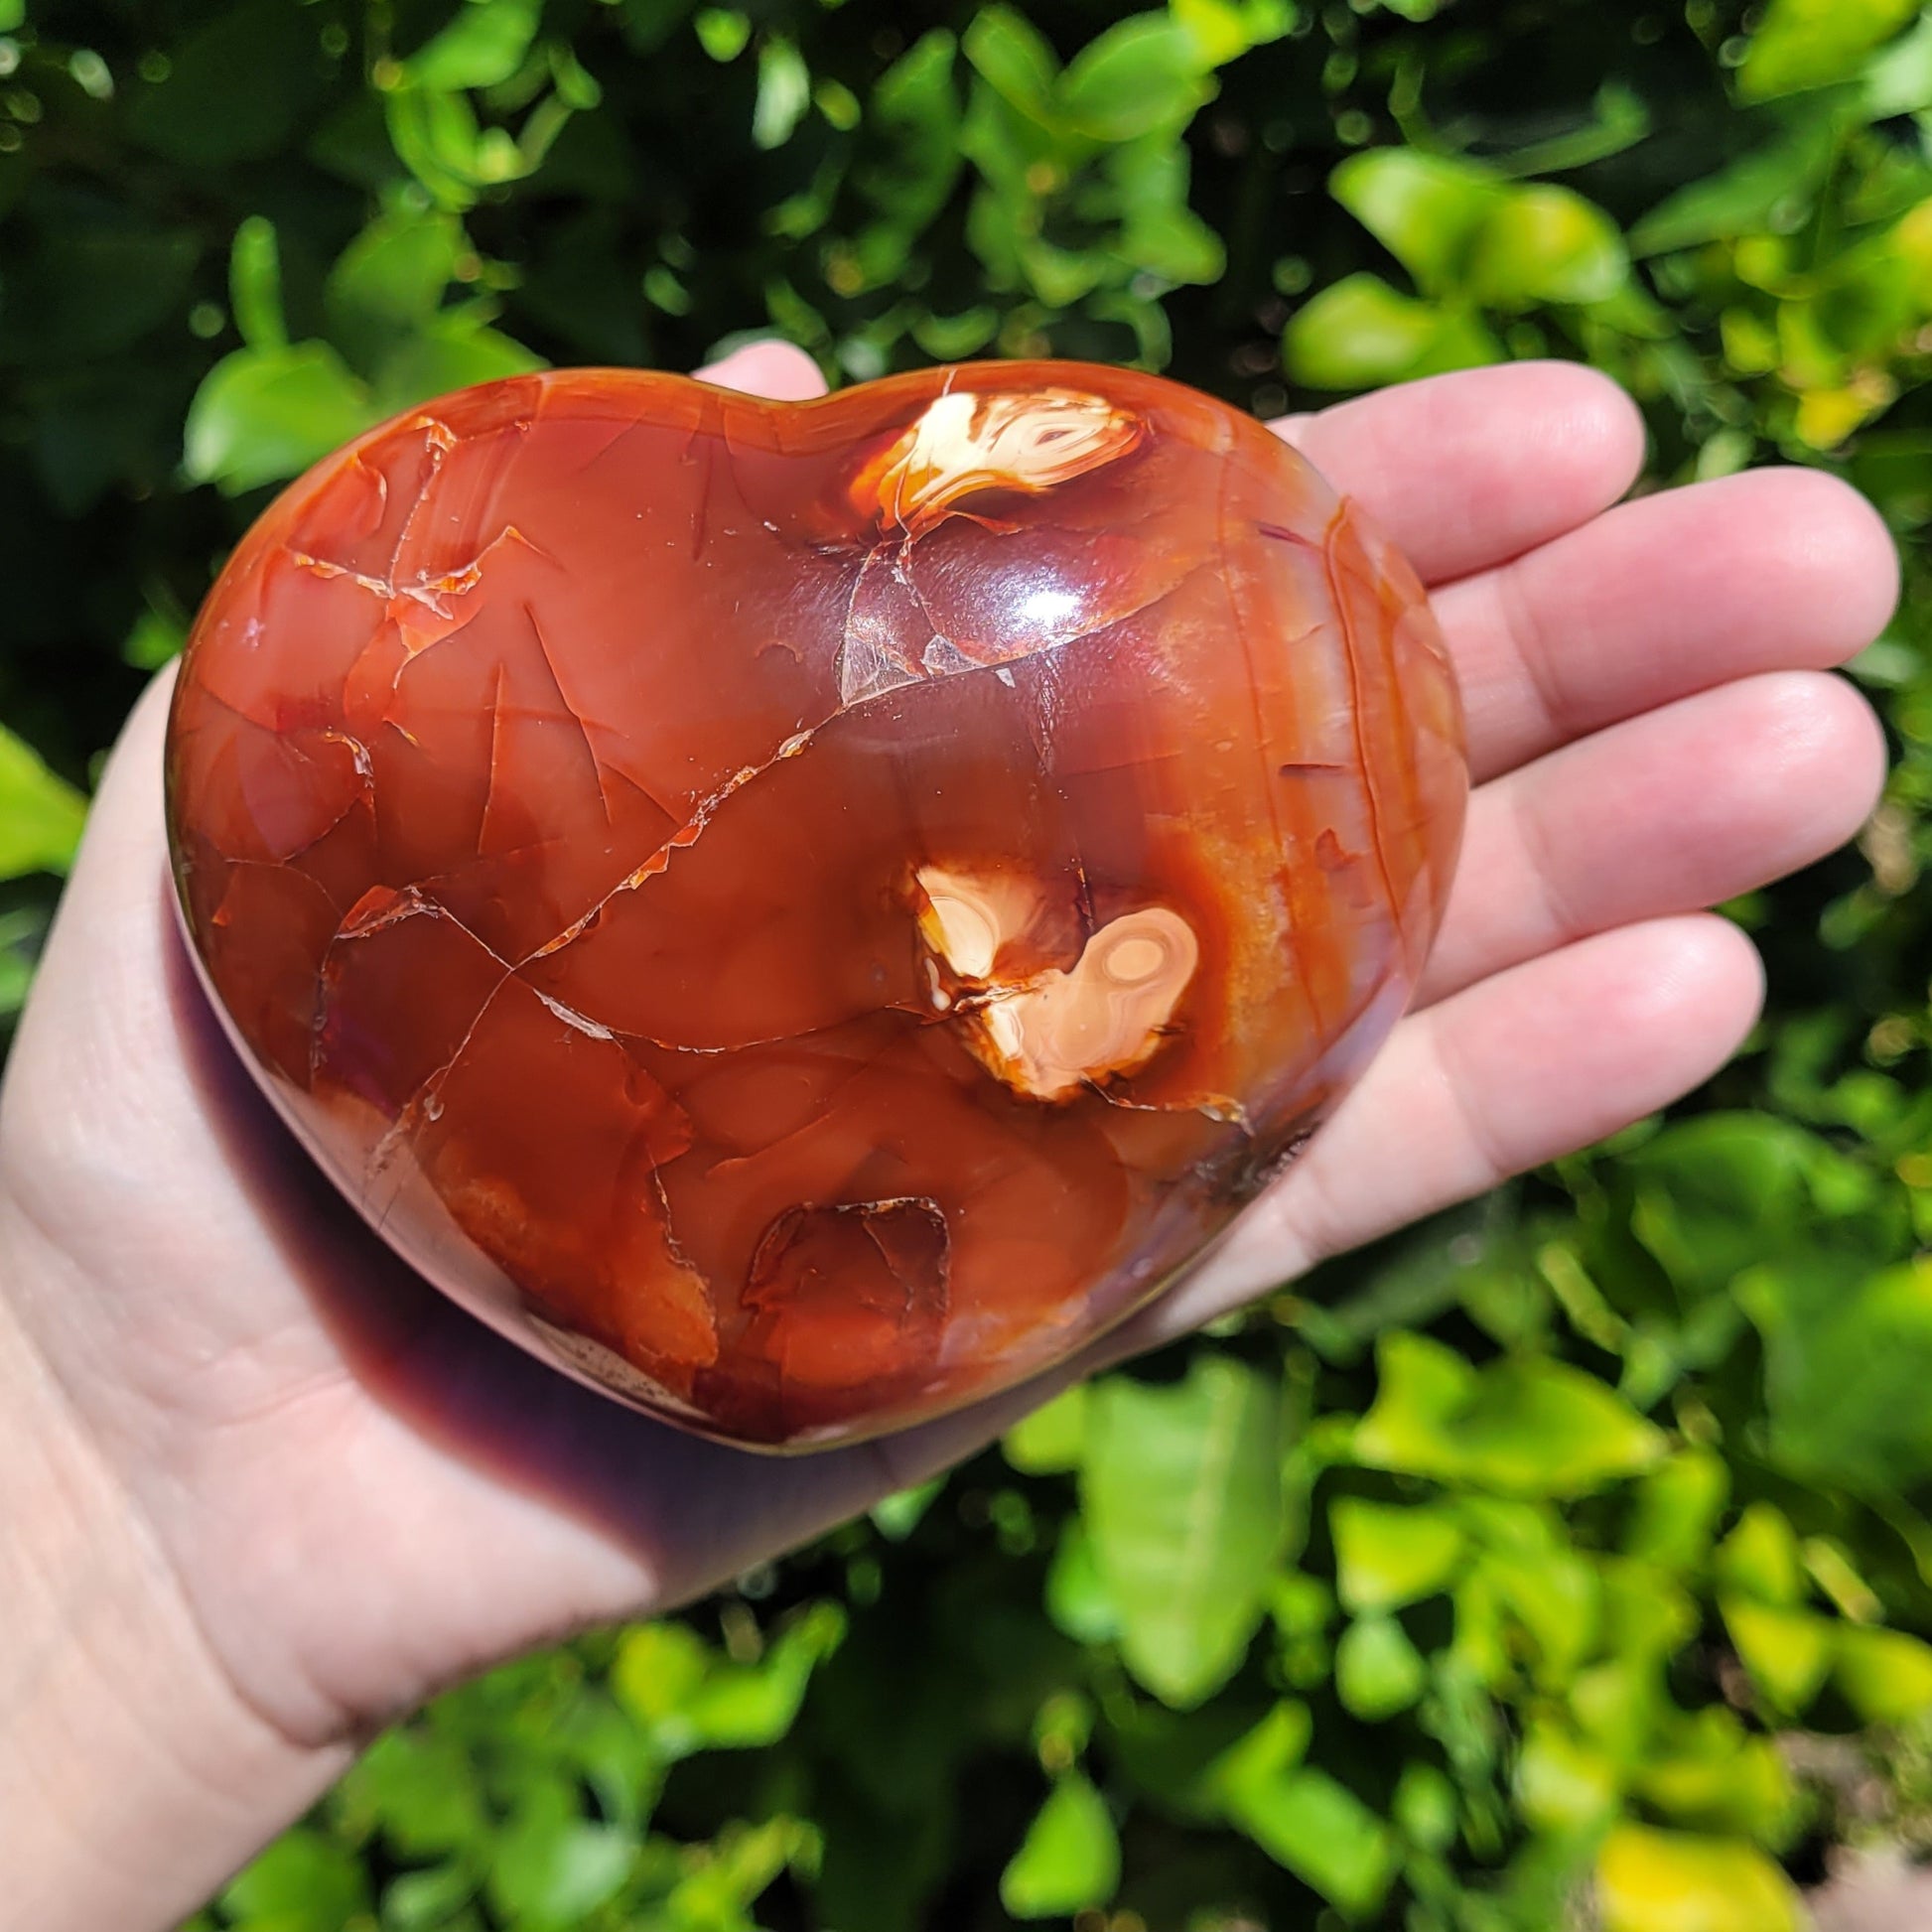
x: 362, y: 1493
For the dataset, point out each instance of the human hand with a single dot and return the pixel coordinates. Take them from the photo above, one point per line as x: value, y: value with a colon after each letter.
x: 248, y: 1455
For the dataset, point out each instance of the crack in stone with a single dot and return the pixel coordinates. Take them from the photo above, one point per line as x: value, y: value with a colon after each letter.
x: 575, y: 716
x: 686, y: 834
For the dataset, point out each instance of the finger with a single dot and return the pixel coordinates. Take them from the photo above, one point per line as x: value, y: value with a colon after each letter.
x: 777, y: 370
x: 1517, y: 1071
x: 102, y: 995
x: 1468, y: 470
x: 1772, y: 570
x: 1669, y: 812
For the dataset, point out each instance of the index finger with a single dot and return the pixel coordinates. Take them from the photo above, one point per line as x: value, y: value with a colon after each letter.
x: 1467, y: 471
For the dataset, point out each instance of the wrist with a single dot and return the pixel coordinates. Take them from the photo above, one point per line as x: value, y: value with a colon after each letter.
x: 133, y: 1776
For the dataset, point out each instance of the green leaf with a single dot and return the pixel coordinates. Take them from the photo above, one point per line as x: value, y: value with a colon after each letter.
x: 692, y: 1700
x: 303, y: 1883
x: 1564, y: 1783
x: 1676, y: 1509
x: 390, y: 280
x: 1712, y: 1192
x: 261, y: 415
x: 1323, y: 1834
x: 1142, y: 74
x: 1387, y: 1555
x: 1069, y: 1860
x: 1252, y: 1771
x: 1378, y: 1671
x: 40, y: 815
x: 1181, y: 1492
x: 1362, y: 332
x: 1224, y: 30
x: 1425, y: 1806
x: 1077, y: 1600
x: 422, y: 1787
x: 1526, y: 1427
x: 1769, y: 188
x: 428, y: 1899
x: 550, y: 1867
x: 784, y: 93
x: 1847, y: 1361
x: 723, y: 31
x: 1546, y: 244
x: 484, y: 44
x: 1672, y: 1881
x: 1708, y: 1773
x: 1052, y: 1439
x: 1014, y: 58
x: 1760, y: 1557
x: 1885, y: 1675
x: 256, y: 284
x: 1425, y: 209
x: 1816, y: 43
x: 731, y: 1872
x: 658, y: 1668
x: 451, y: 353
x: 897, y: 1516
x: 1787, y: 1652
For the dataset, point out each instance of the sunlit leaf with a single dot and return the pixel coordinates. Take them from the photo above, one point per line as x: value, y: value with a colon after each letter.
x: 1144, y: 72
x: 1378, y: 1670
x: 261, y: 415
x: 1013, y: 60
x: 1676, y: 1508
x: 1564, y: 1783
x: 549, y: 1865
x: 1323, y: 1834
x: 1672, y: 1881
x: 1787, y: 1652
x: 1426, y: 209
x: 303, y: 1883
x: 1529, y: 1427
x: 1885, y: 1675
x: 1069, y: 1860
x: 1760, y: 1557
x: 784, y: 93
x: 1388, y: 1556
x: 1223, y: 30
x: 1544, y: 244
x: 1051, y: 1440
x: 1803, y: 44
x: 1180, y: 1490
x: 40, y: 815
x: 1362, y: 332
x: 484, y: 43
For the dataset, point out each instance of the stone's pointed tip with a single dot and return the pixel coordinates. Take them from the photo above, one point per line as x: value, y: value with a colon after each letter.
x: 807, y: 917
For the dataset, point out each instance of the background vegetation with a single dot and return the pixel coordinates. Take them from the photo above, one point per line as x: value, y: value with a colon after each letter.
x: 1565, y: 1562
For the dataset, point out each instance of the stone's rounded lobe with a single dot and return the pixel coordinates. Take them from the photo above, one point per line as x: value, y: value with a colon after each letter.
x: 805, y: 913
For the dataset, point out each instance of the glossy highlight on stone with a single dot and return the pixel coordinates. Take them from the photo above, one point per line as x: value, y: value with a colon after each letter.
x: 804, y: 913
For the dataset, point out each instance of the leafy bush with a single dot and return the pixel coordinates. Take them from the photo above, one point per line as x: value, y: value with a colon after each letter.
x: 1567, y: 1561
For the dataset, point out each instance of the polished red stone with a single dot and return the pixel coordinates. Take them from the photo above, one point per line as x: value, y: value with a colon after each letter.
x: 807, y: 913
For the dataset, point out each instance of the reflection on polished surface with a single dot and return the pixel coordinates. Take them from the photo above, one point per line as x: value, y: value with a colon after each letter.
x: 807, y: 913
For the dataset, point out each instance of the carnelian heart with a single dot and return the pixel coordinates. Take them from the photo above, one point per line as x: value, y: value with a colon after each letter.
x: 805, y: 913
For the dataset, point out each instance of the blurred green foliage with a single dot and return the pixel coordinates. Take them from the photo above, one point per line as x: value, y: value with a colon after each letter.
x: 1523, y: 1572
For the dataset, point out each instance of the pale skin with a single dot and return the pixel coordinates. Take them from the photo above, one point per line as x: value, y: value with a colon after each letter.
x: 261, y: 1490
